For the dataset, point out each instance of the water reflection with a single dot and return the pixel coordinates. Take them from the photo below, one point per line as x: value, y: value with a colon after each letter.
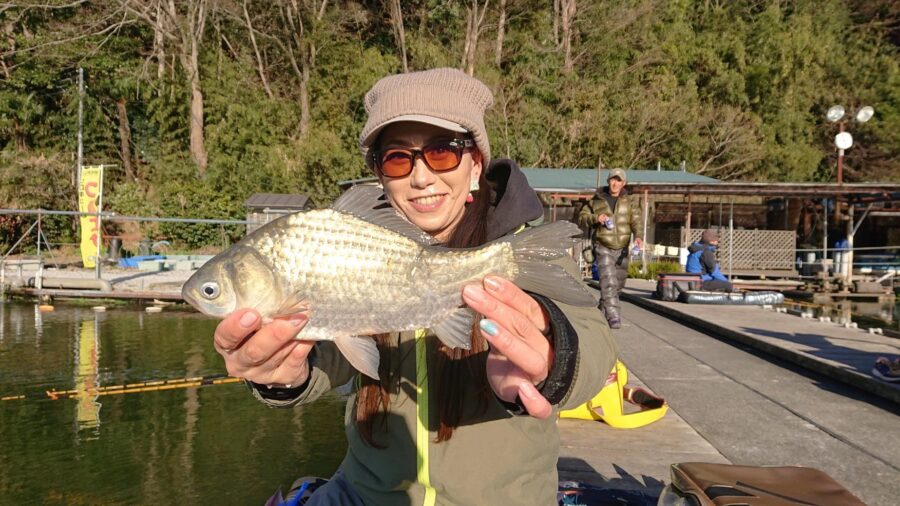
x: 168, y: 443
x: 87, y: 378
x: 883, y: 313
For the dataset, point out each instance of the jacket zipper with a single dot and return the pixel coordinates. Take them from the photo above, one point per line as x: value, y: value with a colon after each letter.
x: 423, y: 438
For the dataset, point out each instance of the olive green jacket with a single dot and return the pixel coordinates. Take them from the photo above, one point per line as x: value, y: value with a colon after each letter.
x: 494, y: 457
x: 627, y: 219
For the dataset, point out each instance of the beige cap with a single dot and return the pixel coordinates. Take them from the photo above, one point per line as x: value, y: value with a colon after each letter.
x: 619, y: 173
x: 444, y: 97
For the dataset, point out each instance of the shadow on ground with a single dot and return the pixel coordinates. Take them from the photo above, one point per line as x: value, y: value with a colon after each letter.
x: 581, y: 484
x: 854, y: 359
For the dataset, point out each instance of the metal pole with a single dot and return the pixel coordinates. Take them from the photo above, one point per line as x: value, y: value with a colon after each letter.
x: 840, y: 160
x: 848, y: 255
x: 39, y: 237
x: 80, y: 124
x: 687, y: 240
x: 824, y: 229
x: 99, y: 223
x: 644, y: 249
x: 731, y: 240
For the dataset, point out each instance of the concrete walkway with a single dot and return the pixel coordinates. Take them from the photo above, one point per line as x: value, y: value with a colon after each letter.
x: 846, y: 355
x: 630, y: 459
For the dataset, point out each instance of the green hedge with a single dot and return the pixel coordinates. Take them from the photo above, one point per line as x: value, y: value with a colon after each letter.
x: 653, y: 269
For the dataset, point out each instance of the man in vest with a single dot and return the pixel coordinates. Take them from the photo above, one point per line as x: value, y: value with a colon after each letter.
x: 614, y: 217
x: 702, y: 260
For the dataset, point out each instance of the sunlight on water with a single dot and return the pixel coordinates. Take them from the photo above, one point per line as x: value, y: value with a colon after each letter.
x: 75, y: 429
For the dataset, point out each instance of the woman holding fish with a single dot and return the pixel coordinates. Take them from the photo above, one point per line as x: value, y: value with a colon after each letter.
x: 464, y: 329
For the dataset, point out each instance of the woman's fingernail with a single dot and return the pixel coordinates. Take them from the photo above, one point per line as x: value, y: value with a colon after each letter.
x: 248, y: 320
x: 298, y: 320
x: 493, y: 284
x: 526, y: 390
x: 474, y: 292
x: 489, y: 326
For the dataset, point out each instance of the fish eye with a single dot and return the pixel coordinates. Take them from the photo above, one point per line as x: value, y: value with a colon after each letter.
x: 210, y: 290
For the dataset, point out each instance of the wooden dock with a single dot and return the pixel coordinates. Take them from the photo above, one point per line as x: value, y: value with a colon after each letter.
x: 94, y: 294
x: 125, y: 284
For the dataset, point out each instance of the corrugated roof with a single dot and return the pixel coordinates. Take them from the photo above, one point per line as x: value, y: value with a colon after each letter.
x: 277, y: 201
x: 576, y: 180
x: 586, y: 179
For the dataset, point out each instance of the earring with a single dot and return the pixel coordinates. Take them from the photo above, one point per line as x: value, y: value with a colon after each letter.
x: 473, y: 187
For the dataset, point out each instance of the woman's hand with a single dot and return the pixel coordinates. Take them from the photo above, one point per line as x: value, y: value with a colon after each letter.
x: 266, y: 354
x: 520, y: 354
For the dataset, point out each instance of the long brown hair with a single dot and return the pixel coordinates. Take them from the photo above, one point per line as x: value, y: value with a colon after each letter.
x: 373, y: 398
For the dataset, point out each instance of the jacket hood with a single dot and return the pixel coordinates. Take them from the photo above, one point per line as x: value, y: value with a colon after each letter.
x: 513, y: 202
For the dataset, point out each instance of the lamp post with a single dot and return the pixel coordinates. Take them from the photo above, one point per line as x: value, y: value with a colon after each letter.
x: 843, y: 140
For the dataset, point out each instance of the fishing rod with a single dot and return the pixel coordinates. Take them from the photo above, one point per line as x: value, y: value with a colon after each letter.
x: 128, y: 388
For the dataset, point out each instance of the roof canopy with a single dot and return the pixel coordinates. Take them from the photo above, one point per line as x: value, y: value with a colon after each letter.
x: 277, y: 201
x: 581, y: 180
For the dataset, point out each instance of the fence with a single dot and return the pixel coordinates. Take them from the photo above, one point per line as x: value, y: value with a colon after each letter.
x: 753, y: 251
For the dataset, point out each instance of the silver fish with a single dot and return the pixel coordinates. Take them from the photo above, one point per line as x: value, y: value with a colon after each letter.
x: 359, y: 269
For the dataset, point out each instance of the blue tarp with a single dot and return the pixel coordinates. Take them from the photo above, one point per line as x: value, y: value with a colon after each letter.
x: 132, y: 262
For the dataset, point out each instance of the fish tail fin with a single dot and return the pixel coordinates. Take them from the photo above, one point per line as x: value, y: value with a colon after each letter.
x: 534, y: 250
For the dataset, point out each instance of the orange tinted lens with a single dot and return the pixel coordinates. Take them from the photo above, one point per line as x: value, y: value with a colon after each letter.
x: 396, y: 163
x: 442, y: 156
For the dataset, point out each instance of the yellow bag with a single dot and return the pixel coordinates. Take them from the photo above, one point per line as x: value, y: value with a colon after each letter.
x: 608, y: 405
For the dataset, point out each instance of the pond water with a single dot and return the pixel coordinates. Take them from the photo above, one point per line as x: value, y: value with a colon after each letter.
x: 870, y: 314
x: 194, y: 445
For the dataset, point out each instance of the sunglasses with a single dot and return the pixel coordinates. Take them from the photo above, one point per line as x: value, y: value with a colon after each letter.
x: 439, y: 156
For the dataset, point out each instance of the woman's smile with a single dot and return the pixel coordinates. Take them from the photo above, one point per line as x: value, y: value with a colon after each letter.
x: 434, y: 201
x: 427, y: 203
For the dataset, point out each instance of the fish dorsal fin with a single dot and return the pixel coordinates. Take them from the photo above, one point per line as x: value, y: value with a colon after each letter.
x: 369, y: 203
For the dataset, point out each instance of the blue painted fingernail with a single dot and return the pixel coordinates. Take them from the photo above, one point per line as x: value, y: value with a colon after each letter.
x: 489, y: 326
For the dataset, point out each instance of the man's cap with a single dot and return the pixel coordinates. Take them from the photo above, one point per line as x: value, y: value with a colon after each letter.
x: 709, y: 235
x: 619, y: 173
x: 445, y: 97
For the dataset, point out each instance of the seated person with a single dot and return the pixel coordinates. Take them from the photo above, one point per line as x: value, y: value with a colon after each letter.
x: 702, y: 260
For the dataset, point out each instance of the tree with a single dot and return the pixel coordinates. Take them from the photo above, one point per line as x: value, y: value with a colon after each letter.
x: 184, y: 24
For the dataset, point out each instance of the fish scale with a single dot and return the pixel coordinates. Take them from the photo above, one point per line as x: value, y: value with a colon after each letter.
x: 360, y: 269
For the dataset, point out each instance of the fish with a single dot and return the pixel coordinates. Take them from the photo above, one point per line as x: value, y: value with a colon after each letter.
x: 359, y: 269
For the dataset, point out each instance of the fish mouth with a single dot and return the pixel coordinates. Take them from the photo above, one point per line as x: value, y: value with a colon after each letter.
x: 428, y: 202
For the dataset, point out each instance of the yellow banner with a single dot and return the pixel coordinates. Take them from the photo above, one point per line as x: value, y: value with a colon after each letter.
x: 89, y: 202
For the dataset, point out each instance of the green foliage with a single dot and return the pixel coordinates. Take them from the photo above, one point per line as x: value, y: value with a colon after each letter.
x: 179, y: 199
x: 736, y: 89
x: 36, y: 182
x: 654, y: 269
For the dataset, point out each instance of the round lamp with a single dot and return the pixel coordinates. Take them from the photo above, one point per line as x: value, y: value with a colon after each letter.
x: 843, y: 140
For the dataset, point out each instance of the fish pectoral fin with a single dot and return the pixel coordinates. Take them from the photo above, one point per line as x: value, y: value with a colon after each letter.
x: 294, y: 304
x: 456, y: 329
x: 361, y: 352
